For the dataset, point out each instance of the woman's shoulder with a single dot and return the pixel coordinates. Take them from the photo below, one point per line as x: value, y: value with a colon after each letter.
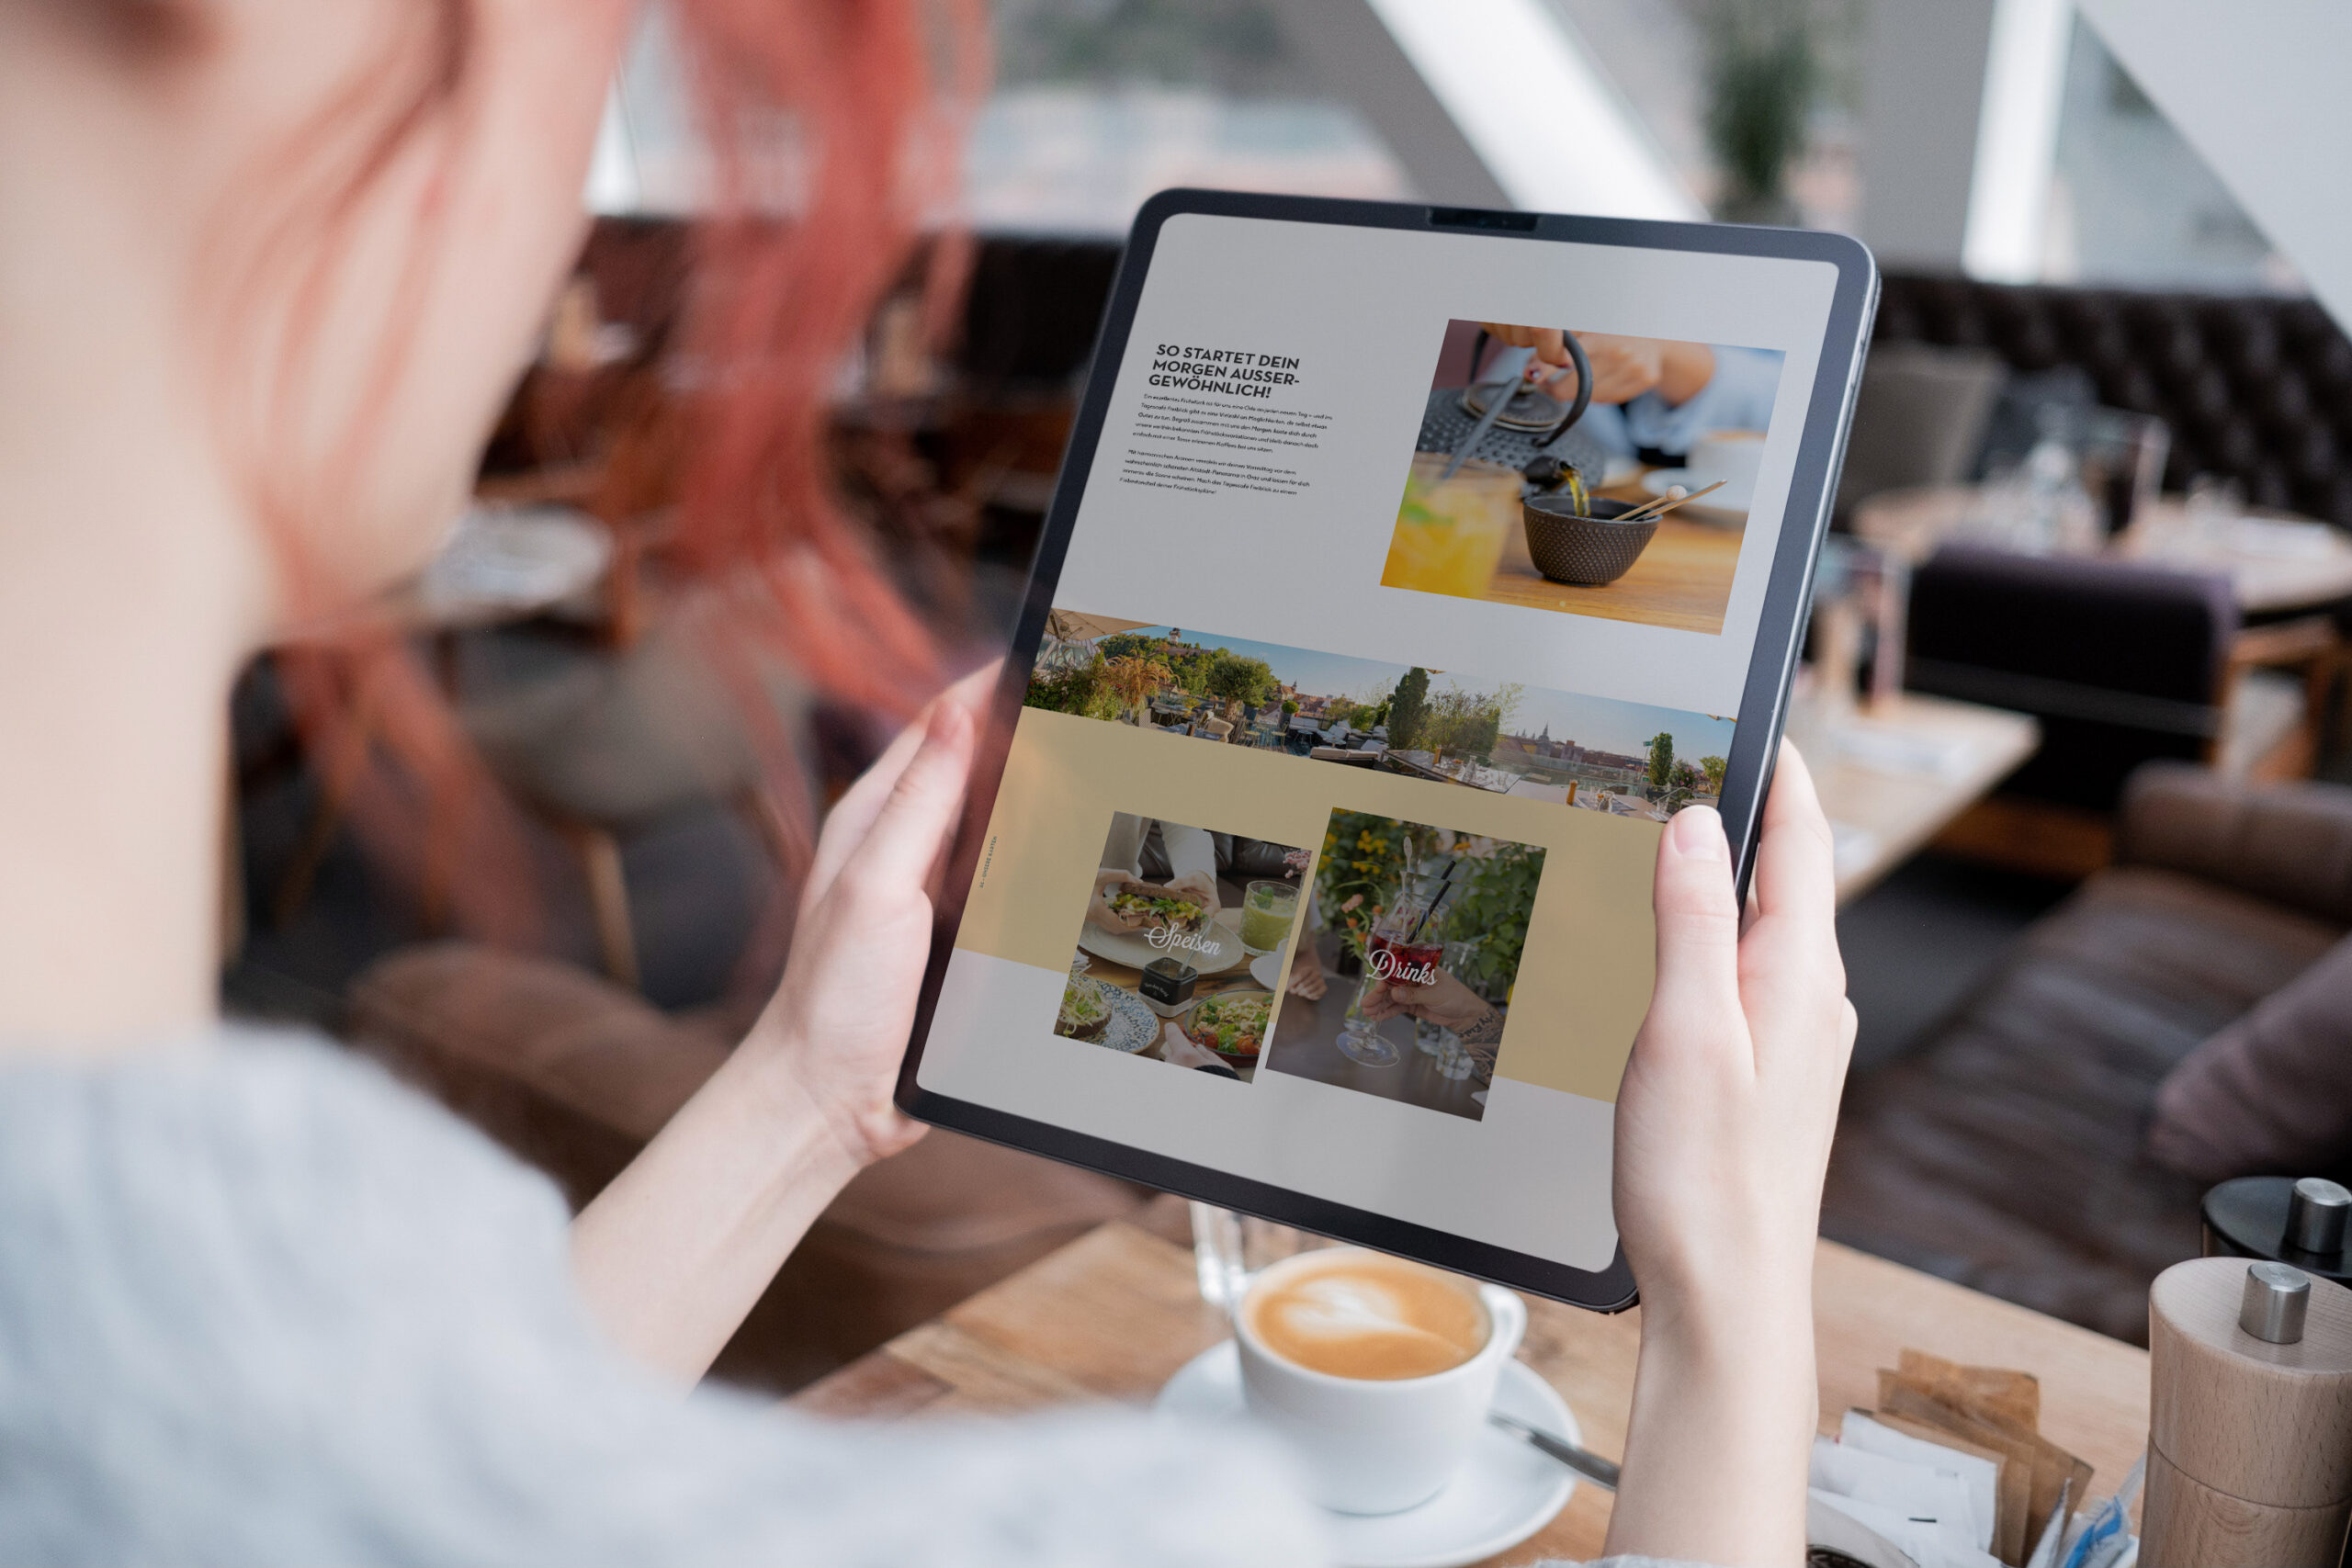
x: 248, y: 1132
x: 260, y: 1303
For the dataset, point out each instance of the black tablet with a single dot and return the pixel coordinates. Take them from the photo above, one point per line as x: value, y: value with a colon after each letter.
x: 1307, y: 871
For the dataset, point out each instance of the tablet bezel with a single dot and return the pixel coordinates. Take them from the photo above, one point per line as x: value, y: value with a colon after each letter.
x: 1747, y: 775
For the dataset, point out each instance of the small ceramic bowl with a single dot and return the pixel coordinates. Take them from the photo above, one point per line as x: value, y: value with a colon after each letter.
x: 1589, y: 552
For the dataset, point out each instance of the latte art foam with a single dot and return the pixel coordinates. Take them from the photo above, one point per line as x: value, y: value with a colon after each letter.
x: 1362, y: 1315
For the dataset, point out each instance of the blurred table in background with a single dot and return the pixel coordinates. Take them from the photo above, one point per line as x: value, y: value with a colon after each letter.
x: 1895, y: 773
x: 2276, y: 561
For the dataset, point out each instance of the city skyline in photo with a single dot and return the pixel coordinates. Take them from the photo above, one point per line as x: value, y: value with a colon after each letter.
x: 1599, y: 724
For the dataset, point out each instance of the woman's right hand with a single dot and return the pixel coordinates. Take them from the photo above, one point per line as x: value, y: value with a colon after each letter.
x: 1722, y: 1131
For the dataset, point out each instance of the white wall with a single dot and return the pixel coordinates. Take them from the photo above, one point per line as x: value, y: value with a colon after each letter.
x: 1491, y: 103
x: 2257, y: 87
x: 1923, y: 87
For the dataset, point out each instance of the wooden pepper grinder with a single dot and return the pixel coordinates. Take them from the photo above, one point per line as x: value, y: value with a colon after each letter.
x: 2250, y: 1426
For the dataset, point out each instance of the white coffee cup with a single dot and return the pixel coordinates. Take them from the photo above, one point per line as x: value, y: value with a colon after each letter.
x: 1367, y: 1445
x: 1731, y: 455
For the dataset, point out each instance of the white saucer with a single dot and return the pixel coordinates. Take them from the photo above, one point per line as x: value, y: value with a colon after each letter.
x: 1505, y: 1490
x: 1267, y: 970
x: 1733, y: 500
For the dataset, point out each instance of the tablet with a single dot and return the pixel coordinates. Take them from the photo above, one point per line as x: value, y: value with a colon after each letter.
x: 1349, y: 666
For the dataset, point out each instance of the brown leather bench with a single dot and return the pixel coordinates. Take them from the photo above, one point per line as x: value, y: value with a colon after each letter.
x: 2006, y: 1153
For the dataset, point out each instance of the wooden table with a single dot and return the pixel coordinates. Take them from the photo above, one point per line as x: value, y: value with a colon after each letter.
x: 1111, y: 1317
x: 1914, y: 523
x: 1895, y: 774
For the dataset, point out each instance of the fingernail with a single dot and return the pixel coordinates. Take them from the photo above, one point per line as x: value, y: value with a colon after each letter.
x: 1697, y: 830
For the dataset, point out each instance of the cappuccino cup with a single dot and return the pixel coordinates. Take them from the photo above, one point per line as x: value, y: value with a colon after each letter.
x: 1376, y: 1372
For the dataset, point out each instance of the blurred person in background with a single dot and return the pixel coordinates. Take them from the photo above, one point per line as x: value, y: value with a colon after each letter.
x: 268, y: 270
x: 1651, y: 394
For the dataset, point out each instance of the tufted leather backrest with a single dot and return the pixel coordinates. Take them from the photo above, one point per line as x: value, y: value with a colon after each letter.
x: 2256, y: 387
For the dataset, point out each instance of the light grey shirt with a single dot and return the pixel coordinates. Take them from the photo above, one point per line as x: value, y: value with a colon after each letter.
x: 260, y: 1305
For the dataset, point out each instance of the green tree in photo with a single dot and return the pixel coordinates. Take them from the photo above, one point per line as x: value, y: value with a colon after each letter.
x: 1493, y: 908
x: 1233, y: 680
x: 1290, y: 707
x: 1407, y: 708
x: 1661, y: 768
x: 1714, y: 768
x: 1465, y: 724
x: 1085, y: 691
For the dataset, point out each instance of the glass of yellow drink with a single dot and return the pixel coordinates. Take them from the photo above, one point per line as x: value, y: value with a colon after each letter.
x: 1451, y: 532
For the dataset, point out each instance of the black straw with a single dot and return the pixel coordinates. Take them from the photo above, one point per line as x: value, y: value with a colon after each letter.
x: 1443, y: 882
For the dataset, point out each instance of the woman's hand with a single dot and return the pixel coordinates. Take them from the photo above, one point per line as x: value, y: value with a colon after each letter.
x: 1108, y: 881
x: 1176, y: 1048
x: 1622, y: 367
x: 840, y: 1018
x: 1200, y: 888
x: 1722, y: 1131
x: 671, y: 1256
x: 1446, y: 1002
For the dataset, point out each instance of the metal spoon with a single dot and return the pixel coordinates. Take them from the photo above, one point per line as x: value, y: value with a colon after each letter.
x: 1590, y: 1465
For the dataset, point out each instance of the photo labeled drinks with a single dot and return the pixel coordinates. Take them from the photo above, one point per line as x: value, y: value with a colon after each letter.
x: 1423, y: 928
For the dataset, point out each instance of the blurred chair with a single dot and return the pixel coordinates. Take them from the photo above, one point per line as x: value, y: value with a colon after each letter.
x: 2122, y: 663
x: 2252, y: 385
x: 2010, y: 1150
x: 1919, y: 419
x: 607, y: 745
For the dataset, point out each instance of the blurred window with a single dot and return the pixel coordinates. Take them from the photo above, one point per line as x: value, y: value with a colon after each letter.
x: 1100, y: 103
x: 2132, y: 204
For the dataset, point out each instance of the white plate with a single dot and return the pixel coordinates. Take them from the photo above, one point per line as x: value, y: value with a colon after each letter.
x: 1506, y: 1492
x: 1732, y: 501
x: 1133, y: 1026
x: 1267, y: 970
x: 1223, y: 933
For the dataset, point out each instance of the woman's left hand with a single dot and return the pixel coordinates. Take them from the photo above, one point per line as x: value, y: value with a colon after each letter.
x: 677, y: 1247
x: 847, y: 1003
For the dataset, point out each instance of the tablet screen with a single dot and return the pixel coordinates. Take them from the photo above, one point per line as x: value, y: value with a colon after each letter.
x: 1310, y: 715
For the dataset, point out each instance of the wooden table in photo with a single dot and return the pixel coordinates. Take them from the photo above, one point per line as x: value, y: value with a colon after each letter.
x: 1682, y: 580
x: 1305, y: 1033
x: 1111, y: 1317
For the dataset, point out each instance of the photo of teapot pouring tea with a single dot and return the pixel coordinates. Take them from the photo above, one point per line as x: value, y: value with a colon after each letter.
x: 1508, y: 421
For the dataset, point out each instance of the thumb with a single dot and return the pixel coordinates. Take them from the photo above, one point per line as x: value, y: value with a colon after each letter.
x: 1698, y: 920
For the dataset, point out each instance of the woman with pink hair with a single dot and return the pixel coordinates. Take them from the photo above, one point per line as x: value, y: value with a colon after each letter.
x: 268, y: 270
